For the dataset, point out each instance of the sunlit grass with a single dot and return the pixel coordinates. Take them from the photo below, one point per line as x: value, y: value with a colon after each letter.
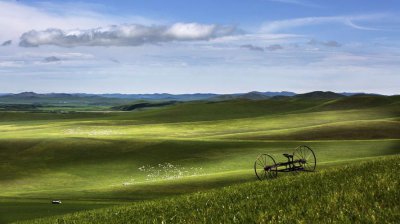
x: 361, y: 193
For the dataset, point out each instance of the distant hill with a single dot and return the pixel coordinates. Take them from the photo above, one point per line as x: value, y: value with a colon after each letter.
x: 29, y: 95
x: 116, y: 99
x: 249, y: 96
x: 360, y: 101
x: 161, y: 96
x: 142, y: 105
x: 254, y: 95
x: 57, y: 99
x: 282, y: 93
x: 320, y: 95
x: 239, y: 108
x: 198, y: 96
x: 23, y: 95
x: 359, y: 93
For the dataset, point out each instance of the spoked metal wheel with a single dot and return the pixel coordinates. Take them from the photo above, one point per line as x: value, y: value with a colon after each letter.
x: 307, y: 158
x: 265, y: 167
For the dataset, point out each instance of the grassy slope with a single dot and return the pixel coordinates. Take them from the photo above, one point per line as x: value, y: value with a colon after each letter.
x: 87, y: 158
x: 368, y: 192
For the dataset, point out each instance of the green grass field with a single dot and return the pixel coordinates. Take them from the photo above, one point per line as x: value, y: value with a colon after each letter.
x: 365, y: 192
x: 94, y: 160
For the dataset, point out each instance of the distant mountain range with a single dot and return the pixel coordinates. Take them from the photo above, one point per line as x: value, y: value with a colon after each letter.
x: 155, y: 96
x: 194, y: 96
x: 172, y: 97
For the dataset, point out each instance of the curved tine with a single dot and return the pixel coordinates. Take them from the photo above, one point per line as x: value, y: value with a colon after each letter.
x: 258, y: 173
x: 297, y: 155
x: 259, y: 162
x: 311, y: 165
x: 309, y: 154
x: 312, y: 155
x: 259, y: 177
x: 299, y: 152
x: 306, y: 164
x: 303, y: 151
x: 261, y: 159
x: 306, y: 152
x: 256, y: 167
x: 266, y: 156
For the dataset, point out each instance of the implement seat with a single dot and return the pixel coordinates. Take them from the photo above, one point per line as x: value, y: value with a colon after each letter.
x: 287, y: 155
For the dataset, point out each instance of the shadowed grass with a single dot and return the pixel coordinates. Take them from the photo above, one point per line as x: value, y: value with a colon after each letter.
x: 364, y: 193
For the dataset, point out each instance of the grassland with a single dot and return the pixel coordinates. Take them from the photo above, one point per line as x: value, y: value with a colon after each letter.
x: 91, y: 160
x: 366, y: 192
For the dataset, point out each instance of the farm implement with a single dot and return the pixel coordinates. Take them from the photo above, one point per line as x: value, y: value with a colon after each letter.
x: 302, y: 160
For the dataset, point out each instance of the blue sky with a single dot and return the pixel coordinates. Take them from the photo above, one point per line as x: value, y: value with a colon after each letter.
x: 200, y: 46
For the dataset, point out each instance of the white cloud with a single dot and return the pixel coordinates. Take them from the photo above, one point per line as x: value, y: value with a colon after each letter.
x: 51, y: 24
x: 279, y: 25
x: 259, y: 38
x: 17, y: 18
x: 6, y: 43
x: 355, y: 26
x: 36, y: 58
x: 11, y: 64
x: 124, y: 35
x: 190, y: 31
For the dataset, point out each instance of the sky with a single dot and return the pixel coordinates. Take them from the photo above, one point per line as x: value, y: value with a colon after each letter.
x: 207, y: 46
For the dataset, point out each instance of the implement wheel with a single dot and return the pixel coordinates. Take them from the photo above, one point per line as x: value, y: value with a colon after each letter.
x: 306, y: 157
x: 265, y: 167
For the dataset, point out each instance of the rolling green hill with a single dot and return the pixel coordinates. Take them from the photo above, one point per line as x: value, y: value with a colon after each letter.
x: 97, y: 159
x: 365, y: 192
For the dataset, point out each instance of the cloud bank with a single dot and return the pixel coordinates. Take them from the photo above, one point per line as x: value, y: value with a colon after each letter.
x: 125, y: 35
x: 274, y: 47
x: 6, y: 43
x: 52, y: 59
x: 331, y: 43
x: 252, y: 47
